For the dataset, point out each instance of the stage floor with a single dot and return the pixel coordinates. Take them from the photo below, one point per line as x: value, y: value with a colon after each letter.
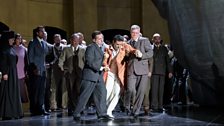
x: 175, y: 115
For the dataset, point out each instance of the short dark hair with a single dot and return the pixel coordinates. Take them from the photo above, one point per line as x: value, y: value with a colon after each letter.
x: 37, y: 30
x: 118, y: 38
x: 95, y: 33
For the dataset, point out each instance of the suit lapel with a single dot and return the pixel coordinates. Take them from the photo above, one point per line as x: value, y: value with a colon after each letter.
x: 71, y: 50
x: 37, y: 43
x: 98, y: 49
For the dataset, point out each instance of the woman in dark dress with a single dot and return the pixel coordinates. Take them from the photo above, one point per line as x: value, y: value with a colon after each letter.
x: 10, y: 105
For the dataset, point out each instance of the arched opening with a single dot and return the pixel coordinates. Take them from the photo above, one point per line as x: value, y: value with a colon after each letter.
x: 110, y: 33
x: 3, y: 27
x: 51, y: 31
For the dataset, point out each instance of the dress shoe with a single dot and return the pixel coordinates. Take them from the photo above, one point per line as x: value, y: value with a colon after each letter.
x: 122, y: 108
x: 105, y: 118
x: 45, y: 113
x: 127, y: 111
x: 134, y: 115
x: 146, y: 112
x: 70, y: 112
x: 76, y: 118
x: 59, y: 115
x: 6, y: 118
x: 154, y: 110
x: 49, y: 110
x: 36, y: 113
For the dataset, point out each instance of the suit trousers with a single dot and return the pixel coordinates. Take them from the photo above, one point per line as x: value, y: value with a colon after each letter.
x: 58, y: 79
x: 73, y: 88
x: 146, y: 101
x: 37, y: 93
x: 99, y: 92
x: 158, y: 82
x: 136, y: 85
x: 113, y: 92
x: 48, y: 93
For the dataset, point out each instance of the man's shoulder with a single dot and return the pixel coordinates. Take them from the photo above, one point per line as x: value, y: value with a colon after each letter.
x: 66, y: 48
x: 143, y: 39
x: 90, y: 46
x: 82, y: 49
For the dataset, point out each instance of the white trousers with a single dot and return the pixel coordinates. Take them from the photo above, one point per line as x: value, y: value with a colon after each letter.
x: 113, y: 92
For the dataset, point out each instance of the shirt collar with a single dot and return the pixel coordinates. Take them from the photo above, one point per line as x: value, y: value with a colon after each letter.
x: 135, y: 39
x: 39, y: 39
x: 75, y: 49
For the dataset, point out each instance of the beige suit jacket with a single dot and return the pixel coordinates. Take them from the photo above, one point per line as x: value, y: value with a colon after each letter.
x: 66, y: 59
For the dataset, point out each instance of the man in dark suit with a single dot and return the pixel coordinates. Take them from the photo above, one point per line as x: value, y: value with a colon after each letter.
x: 71, y: 62
x: 160, y: 67
x: 37, y: 51
x: 137, y: 71
x: 92, y: 79
x: 48, y: 60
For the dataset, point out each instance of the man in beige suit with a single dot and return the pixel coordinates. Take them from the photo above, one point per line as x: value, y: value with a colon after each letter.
x: 71, y: 61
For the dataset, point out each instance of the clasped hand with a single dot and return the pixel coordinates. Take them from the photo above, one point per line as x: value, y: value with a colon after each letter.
x: 138, y: 54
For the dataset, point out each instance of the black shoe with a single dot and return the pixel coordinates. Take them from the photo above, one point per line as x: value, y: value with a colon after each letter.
x: 70, y: 112
x: 76, y: 118
x: 45, y: 113
x: 135, y: 115
x: 146, y: 112
x: 127, y: 111
x: 105, y: 118
x: 154, y: 110
x: 6, y: 118
x: 122, y: 108
x: 59, y: 115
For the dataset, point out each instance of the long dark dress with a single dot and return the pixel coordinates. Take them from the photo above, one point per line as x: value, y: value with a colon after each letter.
x: 10, y: 102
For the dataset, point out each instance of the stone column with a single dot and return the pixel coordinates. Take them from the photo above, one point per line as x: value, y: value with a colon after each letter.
x: 85, y: 17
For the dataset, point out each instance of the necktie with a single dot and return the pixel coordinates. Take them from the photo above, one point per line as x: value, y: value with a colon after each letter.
x: 42, y: 44
x: 75, y: 60
x: 101, y: 48
x: 76, y: 51
x: 133, y: 43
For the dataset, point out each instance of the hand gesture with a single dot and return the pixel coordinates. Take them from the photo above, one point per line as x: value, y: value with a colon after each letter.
x: 138, y: 54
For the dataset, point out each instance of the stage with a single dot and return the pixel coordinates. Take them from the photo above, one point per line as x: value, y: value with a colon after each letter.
x: 173, y: 115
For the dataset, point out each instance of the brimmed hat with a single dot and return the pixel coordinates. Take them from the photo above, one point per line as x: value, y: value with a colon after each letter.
x: 6, y: 35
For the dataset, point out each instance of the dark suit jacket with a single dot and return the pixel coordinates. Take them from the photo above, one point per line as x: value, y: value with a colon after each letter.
x: 93, y: 62
x: 140, y: 66
x: 66, y: 59
x: 161, y: 61
x: 37, y: 54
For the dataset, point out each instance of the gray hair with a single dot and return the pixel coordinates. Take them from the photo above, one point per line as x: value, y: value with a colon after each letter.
x: 133, y: 27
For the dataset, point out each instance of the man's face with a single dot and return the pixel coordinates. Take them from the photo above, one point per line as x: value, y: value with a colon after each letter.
x: 117, y: 45
x: 99, y: 39
x: 57, y: 40
x: 157, y: 40
x: 135, y: 33
x: 75, y: 41
x: 40, y: 33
